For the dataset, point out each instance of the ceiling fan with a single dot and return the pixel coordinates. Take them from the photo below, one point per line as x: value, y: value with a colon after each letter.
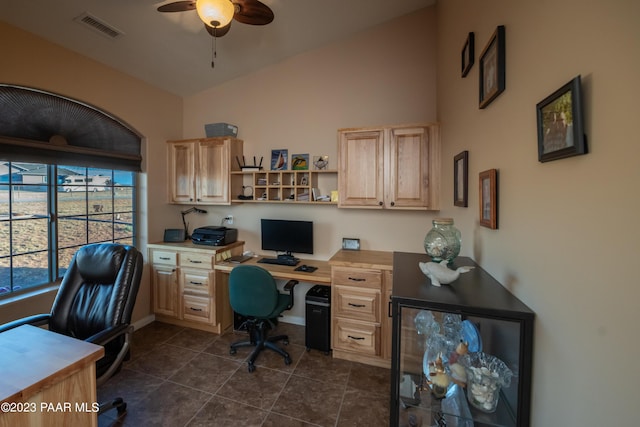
x: 218, y: 14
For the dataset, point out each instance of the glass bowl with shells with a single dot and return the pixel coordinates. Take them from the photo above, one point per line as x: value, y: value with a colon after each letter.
x: 486, y: 375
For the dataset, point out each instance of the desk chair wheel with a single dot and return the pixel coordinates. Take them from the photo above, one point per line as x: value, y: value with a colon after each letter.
x: 287, y: 361
x: 285, y: 341
x: 121, y: 406
x: 251, y: 367
x: 232, y: 351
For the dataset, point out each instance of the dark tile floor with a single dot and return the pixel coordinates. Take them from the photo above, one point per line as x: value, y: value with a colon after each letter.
x: 184, y: 377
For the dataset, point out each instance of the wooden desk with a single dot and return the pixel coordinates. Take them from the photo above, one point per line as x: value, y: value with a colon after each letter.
x: 321, y: 276
x: 47, y: 379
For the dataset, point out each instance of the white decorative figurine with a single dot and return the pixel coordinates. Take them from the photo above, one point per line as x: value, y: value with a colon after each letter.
x: 440, y: 274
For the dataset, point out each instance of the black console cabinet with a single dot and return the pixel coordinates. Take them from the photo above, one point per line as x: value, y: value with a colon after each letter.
x: 504, y: 324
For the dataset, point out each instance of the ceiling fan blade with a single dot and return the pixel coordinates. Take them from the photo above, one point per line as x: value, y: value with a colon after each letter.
x: 218, y: 32
x: 178, y: 6
x: 252, y: 12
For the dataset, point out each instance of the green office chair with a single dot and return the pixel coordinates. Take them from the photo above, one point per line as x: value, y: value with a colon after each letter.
x: 253, y: 294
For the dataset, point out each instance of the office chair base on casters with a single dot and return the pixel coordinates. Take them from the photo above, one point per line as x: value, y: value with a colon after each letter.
x: 118, y: 404
x: 258, y: 339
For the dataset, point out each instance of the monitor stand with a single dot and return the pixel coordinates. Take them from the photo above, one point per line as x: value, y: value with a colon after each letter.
x: 288, y: 256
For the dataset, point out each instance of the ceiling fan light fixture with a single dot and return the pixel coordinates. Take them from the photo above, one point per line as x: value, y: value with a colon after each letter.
x: 215, y: 13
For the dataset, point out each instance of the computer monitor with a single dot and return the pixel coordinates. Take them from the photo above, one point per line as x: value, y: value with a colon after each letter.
x: 287, y: 236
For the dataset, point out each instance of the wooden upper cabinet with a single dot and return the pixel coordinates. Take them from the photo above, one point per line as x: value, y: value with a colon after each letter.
x: 394, y: 167
x: 182, y: 175
x: 361, y: 168
x: 199, y: 170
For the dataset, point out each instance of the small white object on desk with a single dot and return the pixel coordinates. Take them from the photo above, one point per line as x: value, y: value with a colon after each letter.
x: 439, y: 273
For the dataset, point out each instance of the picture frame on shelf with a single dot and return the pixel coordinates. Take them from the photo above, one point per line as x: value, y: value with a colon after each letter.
x: 279, y: 159
x: 492, y: 67
x: 321, y: 162
x: 488, y: 194
x: 300, y: 162
x: 560, y: 123
x: 468, y: 54
x: 350, y: 244
x: 461, y: 179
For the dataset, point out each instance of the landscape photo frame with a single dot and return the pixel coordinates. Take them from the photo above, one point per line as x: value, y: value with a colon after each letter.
x: 492, y: 68
x: 560, y: 123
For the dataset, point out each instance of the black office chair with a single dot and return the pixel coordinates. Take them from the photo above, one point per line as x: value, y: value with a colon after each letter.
x: 94, y: 304
x: 253, y: 293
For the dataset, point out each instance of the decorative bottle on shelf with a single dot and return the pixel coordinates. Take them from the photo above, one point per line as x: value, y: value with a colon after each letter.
x: 443, y: 241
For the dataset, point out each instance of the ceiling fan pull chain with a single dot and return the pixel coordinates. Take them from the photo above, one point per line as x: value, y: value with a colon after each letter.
x: 213, y: 48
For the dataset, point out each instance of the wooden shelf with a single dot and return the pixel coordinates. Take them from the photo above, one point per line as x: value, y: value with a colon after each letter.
x: 287, y: 186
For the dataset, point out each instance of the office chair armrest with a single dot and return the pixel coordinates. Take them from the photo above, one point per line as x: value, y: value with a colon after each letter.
x: 35, y: 320
x: 104, y: 337
x: 289, y: 288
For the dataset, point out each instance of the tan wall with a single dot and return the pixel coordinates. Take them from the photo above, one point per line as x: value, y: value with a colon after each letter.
x: 156, y: 114
x: 567, y: 243
x: 382, y: 76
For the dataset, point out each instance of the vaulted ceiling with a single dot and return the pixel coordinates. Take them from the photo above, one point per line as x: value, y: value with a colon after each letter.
x: 173, y: 51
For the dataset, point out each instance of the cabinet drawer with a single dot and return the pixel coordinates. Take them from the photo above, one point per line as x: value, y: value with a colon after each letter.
x: 196, y: 308
x: 164, y: 257
x: 355, y: 303
x: 359, y: 337
x: 360, y: 277
x: 196, y: 260
x: 195, y: 281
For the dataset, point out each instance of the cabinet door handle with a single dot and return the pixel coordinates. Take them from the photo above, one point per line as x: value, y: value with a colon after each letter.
x: 389, y: 310
x: 196, y: 283
x: 357, y: 279
x: 356, y: 305
x: 355, y: 338
x: 380, y: 203
x: 195, y: 309
x: 393, y: 203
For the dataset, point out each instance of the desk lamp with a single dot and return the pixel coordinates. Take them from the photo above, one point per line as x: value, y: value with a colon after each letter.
x: 186, y: 226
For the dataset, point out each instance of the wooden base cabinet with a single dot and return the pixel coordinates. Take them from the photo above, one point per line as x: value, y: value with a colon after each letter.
x: 360, y: 330
x: 479, y: 311
x: 186, y: 290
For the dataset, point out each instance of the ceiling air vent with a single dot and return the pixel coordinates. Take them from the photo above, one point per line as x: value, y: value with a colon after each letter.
x: 98, y: 25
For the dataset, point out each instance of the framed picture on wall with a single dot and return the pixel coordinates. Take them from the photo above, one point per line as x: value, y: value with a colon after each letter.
x: 467, y: 55
x: 461, y: 179
x: 492, y: 68
x: 279, y: 159
x: 560, y: 127
x: 488, y: 192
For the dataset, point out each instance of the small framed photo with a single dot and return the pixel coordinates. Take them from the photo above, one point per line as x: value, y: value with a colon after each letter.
x: 560, y: 127
x: 350, y: 244
x: 488, y: 192
x: 299, y: 162
x: 279, y: 159
x: 461, y: 179
x: 492, y: 68
x: 321, y: 162
x: 468, y: 55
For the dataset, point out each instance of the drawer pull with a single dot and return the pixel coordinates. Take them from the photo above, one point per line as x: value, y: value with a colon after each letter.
x: 357, y: 305
x: 196, y: 283
x: 195, y: 262
x: 195, y: 309
x: 357, y: 279
x: 355, y: 338
x: 165, y: 258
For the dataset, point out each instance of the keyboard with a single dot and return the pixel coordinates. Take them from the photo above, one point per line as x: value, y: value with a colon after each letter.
x: 279, y: 261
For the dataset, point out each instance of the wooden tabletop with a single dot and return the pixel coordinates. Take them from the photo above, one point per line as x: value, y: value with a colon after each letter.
x: 381, y: 260
x: 32, y: 359
x: 321, y: 276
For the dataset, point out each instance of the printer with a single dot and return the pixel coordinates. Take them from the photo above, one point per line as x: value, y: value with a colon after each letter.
x: 214, y: 236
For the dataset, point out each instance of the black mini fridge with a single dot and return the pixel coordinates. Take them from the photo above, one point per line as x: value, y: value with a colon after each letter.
x: 318, y: 318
